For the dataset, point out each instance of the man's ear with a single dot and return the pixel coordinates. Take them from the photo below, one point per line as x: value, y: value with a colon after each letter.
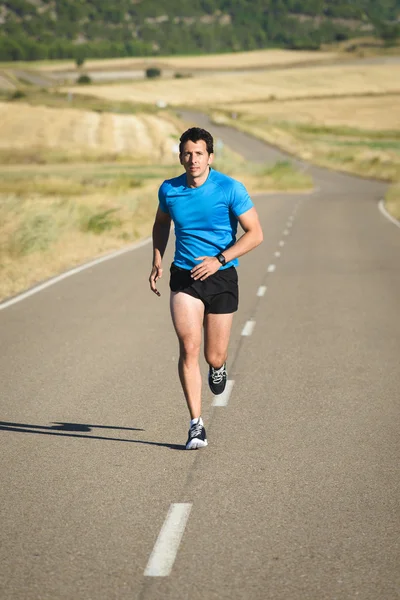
x: 210, y: 158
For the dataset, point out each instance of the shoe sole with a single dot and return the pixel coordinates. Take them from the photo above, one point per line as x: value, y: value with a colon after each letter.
x: 217, y: 393
x: 196, y: 444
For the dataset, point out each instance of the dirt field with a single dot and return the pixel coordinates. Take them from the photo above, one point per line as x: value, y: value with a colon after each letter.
x: 24, y: 127
x: 283, y: 84
x: 238, y: 60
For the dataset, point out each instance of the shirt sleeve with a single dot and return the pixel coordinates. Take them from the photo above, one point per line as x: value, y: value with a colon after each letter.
x: 162, y: 199
x: 240, y: 200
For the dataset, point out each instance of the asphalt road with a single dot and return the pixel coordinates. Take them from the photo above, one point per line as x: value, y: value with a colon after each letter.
x: 297, y: 494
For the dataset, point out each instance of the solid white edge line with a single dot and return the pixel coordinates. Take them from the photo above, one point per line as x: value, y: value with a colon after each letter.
x: 271, y: 268
x: 166, y: 547
x: 57, y: 278
x: 261, y: 290
x: 248, y: 328
x: 222, y: 399
x: 385, y: 213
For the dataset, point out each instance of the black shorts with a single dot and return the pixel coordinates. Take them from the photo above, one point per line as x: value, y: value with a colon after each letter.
x: 219, y: 292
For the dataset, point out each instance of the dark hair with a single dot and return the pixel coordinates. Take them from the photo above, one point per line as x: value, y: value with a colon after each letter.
x: 195, y: 134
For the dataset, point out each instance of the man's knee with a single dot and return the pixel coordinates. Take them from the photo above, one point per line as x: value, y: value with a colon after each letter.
x: 189, y: 348
x: 215, y: 358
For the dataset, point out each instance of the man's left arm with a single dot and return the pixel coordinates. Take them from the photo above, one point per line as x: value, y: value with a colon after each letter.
x: 252, y: 237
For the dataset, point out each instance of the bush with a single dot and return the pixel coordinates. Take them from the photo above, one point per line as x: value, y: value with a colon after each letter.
x: 83, y: 80
x: 100, y: 222
x: 17, y: 95
x: 152, y: 72
x: 79, y: 61
x: 182, y: 75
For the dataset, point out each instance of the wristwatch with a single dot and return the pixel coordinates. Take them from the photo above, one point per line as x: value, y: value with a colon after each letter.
x: 221, y: 258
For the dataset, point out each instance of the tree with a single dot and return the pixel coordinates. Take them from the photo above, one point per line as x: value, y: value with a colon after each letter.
x: 389, y: 33
x: 79, y: 60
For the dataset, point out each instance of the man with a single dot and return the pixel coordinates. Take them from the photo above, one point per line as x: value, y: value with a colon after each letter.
x: 205, y: 206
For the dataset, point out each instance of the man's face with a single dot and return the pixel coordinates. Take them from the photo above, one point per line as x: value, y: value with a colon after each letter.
x: 195, y: 158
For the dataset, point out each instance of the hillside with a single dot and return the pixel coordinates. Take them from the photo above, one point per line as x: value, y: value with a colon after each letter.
x: 41, y: 29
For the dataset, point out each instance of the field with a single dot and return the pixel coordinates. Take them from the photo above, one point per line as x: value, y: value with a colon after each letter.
x: 368, y: 112
x: 212, y: 90
x: 71, y: 134
x: 239, y: 60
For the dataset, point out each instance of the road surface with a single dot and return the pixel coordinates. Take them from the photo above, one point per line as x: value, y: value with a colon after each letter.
x: 296, y: 496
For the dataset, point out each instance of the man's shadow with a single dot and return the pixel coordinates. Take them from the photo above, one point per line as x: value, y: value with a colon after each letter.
x: 78, y: 430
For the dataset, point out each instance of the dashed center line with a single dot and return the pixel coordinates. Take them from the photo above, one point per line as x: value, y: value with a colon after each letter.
x: 248, y: 328
x: 281, y: 243
x: 223, y: 399
x: 164, y: 552
x: 286, y: 232
x: 271, y: 268
x: 261, y: 290
x: 277, y: 254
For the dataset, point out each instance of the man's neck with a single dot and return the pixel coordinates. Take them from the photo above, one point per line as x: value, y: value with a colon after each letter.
x: 198, y: 181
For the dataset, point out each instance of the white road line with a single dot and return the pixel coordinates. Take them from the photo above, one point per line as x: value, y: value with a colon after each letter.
x: 71, y: 272
x: 286, y: 232
x: 271, y: 268
x: 281, y: 243
x: 261, y: 290
x: 277, y: 254
x: 222, y: 399
x: 164, y: 552
x: 386, y: 214
x: 248, y: 328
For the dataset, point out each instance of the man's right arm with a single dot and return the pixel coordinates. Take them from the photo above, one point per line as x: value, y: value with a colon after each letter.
x: 161, y: 229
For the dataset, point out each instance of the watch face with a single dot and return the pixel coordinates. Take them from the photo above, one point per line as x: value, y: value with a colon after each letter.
x: 221, y: 259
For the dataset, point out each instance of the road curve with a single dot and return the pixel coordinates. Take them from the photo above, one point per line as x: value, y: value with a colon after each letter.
x: 297, y: 494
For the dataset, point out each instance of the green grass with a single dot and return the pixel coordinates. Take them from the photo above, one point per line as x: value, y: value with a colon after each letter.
x: 392, y: 201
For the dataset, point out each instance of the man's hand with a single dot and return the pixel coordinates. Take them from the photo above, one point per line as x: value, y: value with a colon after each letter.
x: 207, y: 267
x: 156, y: 273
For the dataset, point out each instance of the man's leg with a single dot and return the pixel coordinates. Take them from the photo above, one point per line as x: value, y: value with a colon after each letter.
x: 187, y: 316
x: 217, y: 330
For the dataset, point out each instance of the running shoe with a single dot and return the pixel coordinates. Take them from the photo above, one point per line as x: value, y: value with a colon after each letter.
x: 217, y: 379
x: 197, y: 436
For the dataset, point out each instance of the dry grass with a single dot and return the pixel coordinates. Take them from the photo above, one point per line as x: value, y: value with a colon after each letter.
x: 212, y: 90
x: 370, y: 112
x: 42, y: 234
x: 238, y: 60
x: 40, y: 131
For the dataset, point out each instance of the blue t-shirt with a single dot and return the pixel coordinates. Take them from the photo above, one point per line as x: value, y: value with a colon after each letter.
x: 206, y: 217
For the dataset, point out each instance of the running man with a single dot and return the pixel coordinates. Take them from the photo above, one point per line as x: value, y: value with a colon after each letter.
x: 206, y: 207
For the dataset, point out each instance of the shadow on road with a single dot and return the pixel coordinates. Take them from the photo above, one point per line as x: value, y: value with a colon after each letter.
x: 63, y: 429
